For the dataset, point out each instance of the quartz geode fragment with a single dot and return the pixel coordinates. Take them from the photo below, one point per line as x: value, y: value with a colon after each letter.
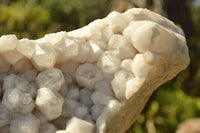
x: 94, y: 79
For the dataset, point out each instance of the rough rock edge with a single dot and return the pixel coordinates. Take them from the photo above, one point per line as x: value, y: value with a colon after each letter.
x: 126, y: 116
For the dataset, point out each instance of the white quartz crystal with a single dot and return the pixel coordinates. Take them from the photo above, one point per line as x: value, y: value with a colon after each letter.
x: 109, y: 62
x: 76, y: 125
x: 51, y: 78
x: 101, y: 124
x: 44, y: 56
x: 49, y: 103
x: 133, y: 85
x: 112, y: 107
x: 107, y: 32
x: 26, y: 47
x: 8, y: 42
x: 10, y: 54
x: 95, y: 79
x: 17, y: 101
x: 27, y: 103
x: 121, y: 46
x: 117, y: 22
x: 125, y: 65
x: 95, y: 53
x: 84, y: 52
x: 66, y: 49
x: 90, y: 32
x: 129, y: 30
x: 54, y: 38
x: 88, y: 74
x: 119, y: 83
x: 139, y: 66
x: 109, y: 111
x: 99, y: 43
x: 24, y: 124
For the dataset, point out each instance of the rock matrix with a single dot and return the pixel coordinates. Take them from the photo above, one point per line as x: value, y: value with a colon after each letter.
x: 96, y: 79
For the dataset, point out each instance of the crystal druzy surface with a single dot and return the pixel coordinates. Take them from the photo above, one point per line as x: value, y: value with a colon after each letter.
x: 96, y: 79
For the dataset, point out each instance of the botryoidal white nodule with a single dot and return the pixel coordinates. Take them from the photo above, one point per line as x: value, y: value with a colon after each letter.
x: 95, y: 79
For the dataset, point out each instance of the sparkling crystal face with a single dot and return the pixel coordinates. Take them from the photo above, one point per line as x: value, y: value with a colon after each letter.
x: 84, y: 80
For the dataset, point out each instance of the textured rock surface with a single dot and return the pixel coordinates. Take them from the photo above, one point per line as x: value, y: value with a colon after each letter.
x: 96, y: 79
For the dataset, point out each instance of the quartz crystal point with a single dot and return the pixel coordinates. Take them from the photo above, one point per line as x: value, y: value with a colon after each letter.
x: 95, y: 79
x: 49, y: 103
x: 24, y: 124
x: 51, y: 78
x: 76, y: 125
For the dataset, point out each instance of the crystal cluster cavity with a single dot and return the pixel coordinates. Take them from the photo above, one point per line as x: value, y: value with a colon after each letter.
x: 95, y: 79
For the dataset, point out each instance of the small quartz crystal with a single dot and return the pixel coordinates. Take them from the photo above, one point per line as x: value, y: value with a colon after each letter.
x: 24, y: 124
x: 76, y: 125
x: 10, y: 41
x: 51, y: 78
x: 44, y: 56
x: 88, y: 74
x: 116, y: 21
x: 10, y: 54
x: 109, y: 62
x: 26, y: 47
x: 119, y: 83
x: 17, y: 101
x: 67, y: 49
x: 49, y: 103
x: 120, y: 45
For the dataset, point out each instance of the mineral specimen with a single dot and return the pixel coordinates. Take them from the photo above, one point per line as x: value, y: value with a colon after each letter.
x: 96, y: 79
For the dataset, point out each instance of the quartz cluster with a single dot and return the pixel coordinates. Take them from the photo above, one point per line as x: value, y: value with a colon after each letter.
x: 94, y: 79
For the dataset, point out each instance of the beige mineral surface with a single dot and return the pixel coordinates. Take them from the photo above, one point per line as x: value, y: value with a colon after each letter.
x: 189, y: 126
x: 95, y: 79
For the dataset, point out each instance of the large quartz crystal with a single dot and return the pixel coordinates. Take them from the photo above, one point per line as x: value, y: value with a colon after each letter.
x: 96, y: 79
